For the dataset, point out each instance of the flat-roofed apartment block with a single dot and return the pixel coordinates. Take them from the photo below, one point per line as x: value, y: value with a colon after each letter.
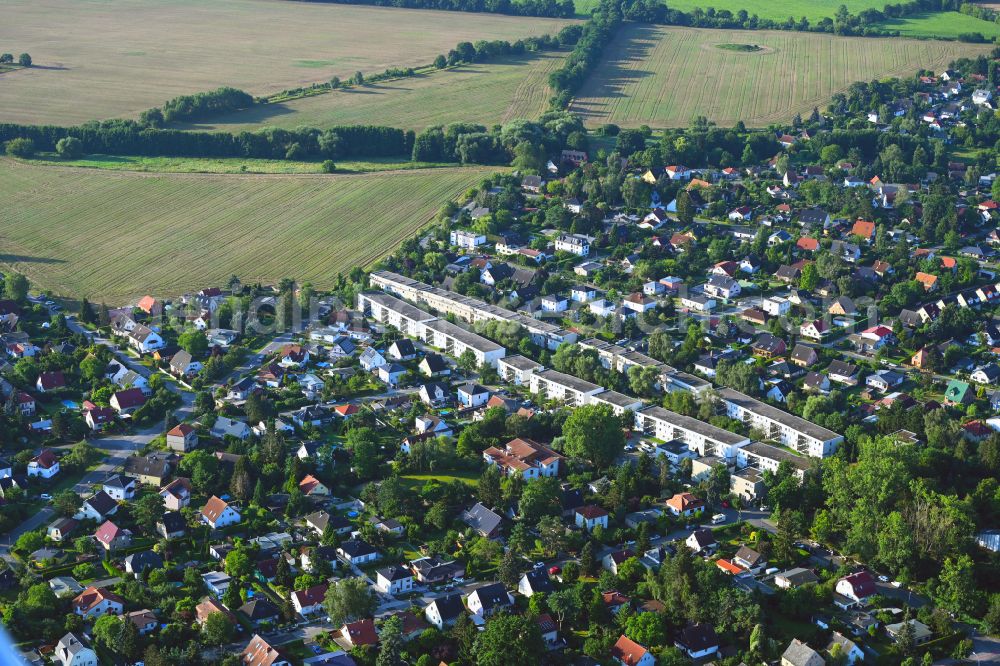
x: 699, y: 436
x: 517, y: 369
x: 455, y: 340
x: 747, y: 483
x: 618, y: 358
x: 567, y: 389
x: 391, y: 311
x: 468, y: 309
x: 766, y: 458
x: 415, y: 323
x: 619, y: 402
x: 796, y: 433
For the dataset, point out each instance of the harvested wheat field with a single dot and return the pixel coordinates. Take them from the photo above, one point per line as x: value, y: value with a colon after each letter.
x: 98, y: 60
x: 116, y: 235
x: 663, y: 77
x: 483, y: 93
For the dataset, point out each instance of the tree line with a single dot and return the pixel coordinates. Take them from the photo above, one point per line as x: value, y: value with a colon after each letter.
x: 544, y: 8
x: 597, y: 32
x: 128, y: 137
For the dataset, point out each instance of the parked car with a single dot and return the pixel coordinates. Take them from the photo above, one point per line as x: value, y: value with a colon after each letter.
x: 554, y: 571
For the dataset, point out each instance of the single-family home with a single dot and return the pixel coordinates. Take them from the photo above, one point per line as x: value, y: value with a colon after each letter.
x: 591, y: 516
x: 217, y: 513
x: 394, y: 580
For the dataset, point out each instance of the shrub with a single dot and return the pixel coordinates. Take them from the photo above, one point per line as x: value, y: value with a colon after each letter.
x: 69, y: 147
x: 20, y: 147
x: 329, y: 166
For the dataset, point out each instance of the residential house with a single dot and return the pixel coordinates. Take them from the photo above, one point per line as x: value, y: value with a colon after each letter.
x: 119, y: 487
x: 534, y: 582
x: 485, y: 522
x: 44, y: 465
x: 72, y: 651
x: 151, y: 470
x: 145, y: 560
x: 171, y: 526
x: 749, y: 559
x: 394, y: 580
x: 259, y: 610
x: 176, y: 494
x: 444, y: 611
x: 144, y: 620
x: 97, y: 507
x: 800, y: 654
x: 698, y: 641
x: 487, y: 600
x: 127, y: 401
x: 259, y: 652
x: 50, y: 381
x: 921, y: 632
x: 525, y: 457
x: 627, y: 652
x: 95, y: 602
x: 218, y: 513
x: 857, y: 587
x: 814, y: 329
x: 769, y: 346
x: 112, y: 537
x: 472, y: 395
x: 796, y: 577
x: 590, y: 517
x: 804, y: 356
x: 843, y: 372
x: 357, y: 551
x: 310, y: 600
x: 701, y: 540
x: 958, y: 393
x: 685, y: 504
x: 182, y: 438
x: 226, y: 427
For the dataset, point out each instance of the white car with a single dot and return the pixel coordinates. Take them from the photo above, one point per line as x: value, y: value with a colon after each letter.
x: 883, y: 579
x: 45, y: 496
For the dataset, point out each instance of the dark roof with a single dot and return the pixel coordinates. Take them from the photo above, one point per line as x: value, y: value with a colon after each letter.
x: 259, y: 609
x: 146, y: 559
x: 481, y: 519
x: 449, y: 606
x: 395, y: 572
x: 698, y: 637
x: 356, y: 548
x: 173, y: 522
x: 147, y: 466
x: 539, y: 581
x: 494, y: 594
x: 102, y: 503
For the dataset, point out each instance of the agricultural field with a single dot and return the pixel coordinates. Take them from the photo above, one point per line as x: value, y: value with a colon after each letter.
x: 114, y: 236
x: 483, y: 93
x: 942, y: 24
x: 663, y: 77
x: 98, y: 60
x: 814, y: 10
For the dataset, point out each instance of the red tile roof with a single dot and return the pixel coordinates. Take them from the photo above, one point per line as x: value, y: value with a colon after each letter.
x: 628, y: 651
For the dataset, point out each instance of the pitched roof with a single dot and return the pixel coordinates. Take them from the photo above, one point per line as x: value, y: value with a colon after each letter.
x: 214, y: 508
x: 93, y: 596
x: 628, y: 651
x: 259, y: 652
x: 361, y: 632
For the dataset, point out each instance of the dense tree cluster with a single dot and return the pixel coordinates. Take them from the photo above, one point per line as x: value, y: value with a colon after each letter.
x: 547, y: 8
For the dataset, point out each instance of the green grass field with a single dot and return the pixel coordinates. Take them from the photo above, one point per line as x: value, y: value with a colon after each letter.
x: 223, y: 165
x: 114, y: 236
x: 486, y: 93
x: 814, y: 10
x: 663, y: 77
x: 943, y: 24
x: 97, y: 59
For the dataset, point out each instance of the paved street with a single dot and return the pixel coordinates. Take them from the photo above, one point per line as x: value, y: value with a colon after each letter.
x: 117, y: 447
